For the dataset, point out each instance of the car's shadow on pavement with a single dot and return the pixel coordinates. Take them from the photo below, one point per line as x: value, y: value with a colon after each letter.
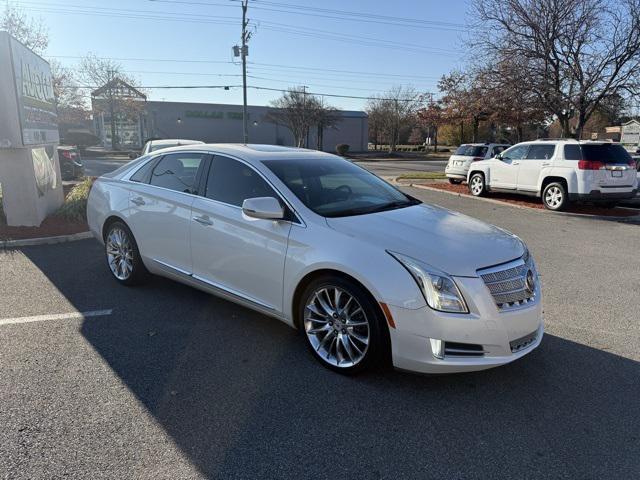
x: 241, y: 396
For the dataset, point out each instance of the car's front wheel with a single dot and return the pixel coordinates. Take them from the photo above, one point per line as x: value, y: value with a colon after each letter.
x: 123, y: 257
x: 554, y: 196
x: 477, y: 186
x: 343, y: 327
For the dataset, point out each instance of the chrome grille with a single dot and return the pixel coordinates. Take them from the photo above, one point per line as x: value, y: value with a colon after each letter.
x: 508, y: 283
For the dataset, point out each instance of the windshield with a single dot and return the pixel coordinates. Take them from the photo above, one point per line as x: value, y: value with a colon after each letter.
x: 334, y: 187
x: 471, y: 151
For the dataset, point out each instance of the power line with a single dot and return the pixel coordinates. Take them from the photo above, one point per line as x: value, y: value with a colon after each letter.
x: 340, y: 15
x: 221, y: 20
x: 255, y: 87
x: 256, y: 65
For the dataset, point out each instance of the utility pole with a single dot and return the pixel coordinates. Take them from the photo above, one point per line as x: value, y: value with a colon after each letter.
x: 244, y: 52
x: 304, y: 115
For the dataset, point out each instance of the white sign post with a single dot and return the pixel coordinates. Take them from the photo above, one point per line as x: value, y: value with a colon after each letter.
x: 29, y: 168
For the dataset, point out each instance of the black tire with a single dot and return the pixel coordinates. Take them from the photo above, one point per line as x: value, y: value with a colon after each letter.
x: 376, y: 353
x: 477, y: 185
x: 554, y: 197
x: 455, y: 181
x: 138, y: 273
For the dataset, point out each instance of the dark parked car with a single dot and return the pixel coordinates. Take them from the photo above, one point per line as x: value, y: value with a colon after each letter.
x: 70, y: 162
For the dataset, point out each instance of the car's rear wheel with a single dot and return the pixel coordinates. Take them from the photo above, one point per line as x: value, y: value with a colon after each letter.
x: 123, y: 257
x: 477, y: 186
x: 554, y: 196
x: 455, y: 181
x: 343, y: 327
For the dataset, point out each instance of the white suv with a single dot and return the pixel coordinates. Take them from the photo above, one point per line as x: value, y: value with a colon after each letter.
x: 459, y: 163
x: 559, y: 171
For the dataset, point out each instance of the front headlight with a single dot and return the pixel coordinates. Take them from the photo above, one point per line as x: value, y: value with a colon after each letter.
x: 439, y: 289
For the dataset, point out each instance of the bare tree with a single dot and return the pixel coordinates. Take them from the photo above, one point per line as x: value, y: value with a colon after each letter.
x: 32, y: 33
x: 574, y: 54
x: 70, y: 100
x: 113, y: 90
x: 299, y: 111
x: 513, y: 103
x: 465, y: 100
x: 432, y: 118
x: 394, y: 111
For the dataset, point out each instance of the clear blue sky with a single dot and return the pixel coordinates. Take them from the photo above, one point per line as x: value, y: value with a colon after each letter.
x: 413, y: 53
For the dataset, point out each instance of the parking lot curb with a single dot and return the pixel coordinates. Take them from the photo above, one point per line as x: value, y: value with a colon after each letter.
x: 30, y: 242
x: 633, y: 220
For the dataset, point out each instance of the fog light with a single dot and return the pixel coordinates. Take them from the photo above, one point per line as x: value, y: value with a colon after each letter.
x: 437, y: 348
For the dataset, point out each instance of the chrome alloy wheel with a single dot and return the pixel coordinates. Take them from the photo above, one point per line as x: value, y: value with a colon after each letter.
x: 119, y: 253
x: 553, y: 197
x: 476, y: 185
x: 337, y: 327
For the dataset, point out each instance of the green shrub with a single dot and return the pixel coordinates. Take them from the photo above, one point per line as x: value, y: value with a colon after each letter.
x: 342, y: 149
x: 75, y: 204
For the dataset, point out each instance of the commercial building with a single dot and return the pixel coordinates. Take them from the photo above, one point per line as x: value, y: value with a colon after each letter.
x: 220, y: 123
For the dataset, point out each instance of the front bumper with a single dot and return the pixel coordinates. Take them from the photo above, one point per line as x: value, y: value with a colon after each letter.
x: 495, y: 332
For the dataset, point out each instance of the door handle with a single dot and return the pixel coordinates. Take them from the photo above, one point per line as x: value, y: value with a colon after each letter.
x: 546, y: 164
x: 515, y: 163
x: 138, y: 201
x: 203, y: 220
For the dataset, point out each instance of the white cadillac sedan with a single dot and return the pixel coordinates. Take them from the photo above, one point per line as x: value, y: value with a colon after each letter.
x: 367, y: 273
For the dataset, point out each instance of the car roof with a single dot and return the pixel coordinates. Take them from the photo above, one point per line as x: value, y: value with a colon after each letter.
x: 174, y: 141
x: 254, y: 152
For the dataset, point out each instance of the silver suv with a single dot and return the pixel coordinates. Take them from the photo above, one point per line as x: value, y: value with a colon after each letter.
x: 459, y: 163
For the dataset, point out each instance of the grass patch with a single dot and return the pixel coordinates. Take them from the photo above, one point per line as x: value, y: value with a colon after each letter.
x: 422, y: 176
x: 75, y: 204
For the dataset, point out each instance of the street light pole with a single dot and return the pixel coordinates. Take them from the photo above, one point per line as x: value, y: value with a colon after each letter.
x: 244, y: 52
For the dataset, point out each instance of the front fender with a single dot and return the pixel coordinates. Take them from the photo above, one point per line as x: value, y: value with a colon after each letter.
x: 373, y: 267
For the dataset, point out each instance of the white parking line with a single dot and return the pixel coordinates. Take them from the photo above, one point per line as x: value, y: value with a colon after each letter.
x: 57, y: 316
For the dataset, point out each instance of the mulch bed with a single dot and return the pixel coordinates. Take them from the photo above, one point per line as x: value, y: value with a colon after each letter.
x: 52, y: 226
x: 532, y: 202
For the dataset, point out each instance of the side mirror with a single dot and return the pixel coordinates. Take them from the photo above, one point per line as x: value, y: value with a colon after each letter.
x: 499, y: 156
x: 267, y: 208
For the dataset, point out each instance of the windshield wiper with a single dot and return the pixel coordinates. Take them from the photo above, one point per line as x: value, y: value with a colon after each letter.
x: 375, y: 208
x: 394, y: 205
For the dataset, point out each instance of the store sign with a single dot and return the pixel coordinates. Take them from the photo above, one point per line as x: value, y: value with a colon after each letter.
x: 34, y: 92
x: 213, y: 115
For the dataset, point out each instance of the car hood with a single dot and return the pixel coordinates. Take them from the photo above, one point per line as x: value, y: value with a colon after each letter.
x: 449, y: 241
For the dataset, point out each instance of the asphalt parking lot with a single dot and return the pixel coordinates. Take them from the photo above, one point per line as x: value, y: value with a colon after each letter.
x: 164, y: 381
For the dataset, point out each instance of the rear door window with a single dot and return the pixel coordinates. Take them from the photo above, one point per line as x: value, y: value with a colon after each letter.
x: 540, y: 152
x: 178, y: 171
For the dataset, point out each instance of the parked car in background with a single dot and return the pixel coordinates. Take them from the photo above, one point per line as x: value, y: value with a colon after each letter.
x: 153, y: 145
x: 636, y: 157
x: 365, y: 272
x: 71, y: 166
x: 559, y: 171
x: 459, y: 163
